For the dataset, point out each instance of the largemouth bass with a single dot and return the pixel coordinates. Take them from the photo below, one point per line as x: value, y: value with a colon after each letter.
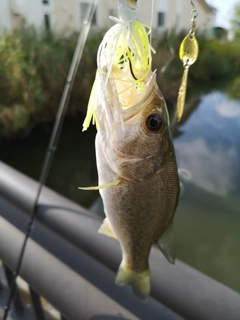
x: 137, y: 170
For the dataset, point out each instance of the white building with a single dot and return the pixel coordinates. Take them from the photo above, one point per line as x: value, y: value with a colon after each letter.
x: 14, y: 13
x: 66, y: 16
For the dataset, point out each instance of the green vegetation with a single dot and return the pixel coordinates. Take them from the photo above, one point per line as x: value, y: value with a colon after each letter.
x: 33, y: 70
x: 216, y: 60
x: 236, y: 21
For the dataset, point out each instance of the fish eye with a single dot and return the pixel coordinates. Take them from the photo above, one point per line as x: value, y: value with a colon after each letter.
x: 154, y: 122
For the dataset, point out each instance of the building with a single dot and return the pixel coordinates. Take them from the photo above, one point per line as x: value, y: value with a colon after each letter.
x: 177, y: 14
x: 67, y: 16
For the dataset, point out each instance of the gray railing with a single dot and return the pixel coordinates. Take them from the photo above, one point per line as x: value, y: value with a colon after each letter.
x: 73, y: 267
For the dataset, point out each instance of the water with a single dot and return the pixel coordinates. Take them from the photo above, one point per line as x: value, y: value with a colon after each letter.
x: 207, y: 146
x: 73, y: 164
x: 208, y: 215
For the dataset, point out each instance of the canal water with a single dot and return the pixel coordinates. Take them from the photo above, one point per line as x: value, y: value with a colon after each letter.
x: 207, y: 145
x: 208, y: 216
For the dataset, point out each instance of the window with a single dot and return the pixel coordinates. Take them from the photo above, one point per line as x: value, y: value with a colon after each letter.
x: 47, y: 22
x: 161, y: 19
x: 84, y: 10
x: 45, y: 1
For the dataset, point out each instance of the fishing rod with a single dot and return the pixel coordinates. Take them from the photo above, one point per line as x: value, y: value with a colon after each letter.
x: 52, y: 146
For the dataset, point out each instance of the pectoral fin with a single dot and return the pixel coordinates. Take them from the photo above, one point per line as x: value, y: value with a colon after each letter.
x: 166, y: 243
x: 106, y: 229
x: 103, y: 186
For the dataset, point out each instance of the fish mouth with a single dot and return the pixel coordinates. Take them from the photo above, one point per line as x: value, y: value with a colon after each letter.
x: 141, y: 103
x: 130, y: 92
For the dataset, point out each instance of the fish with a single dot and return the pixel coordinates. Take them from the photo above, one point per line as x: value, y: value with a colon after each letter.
x: 136, y: 163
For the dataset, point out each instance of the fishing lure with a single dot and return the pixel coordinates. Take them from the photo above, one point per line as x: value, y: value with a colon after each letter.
x: 124, y: 59
x: 188, y: 54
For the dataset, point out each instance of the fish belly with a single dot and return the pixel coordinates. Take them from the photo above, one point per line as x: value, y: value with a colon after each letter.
x: 138, y: 212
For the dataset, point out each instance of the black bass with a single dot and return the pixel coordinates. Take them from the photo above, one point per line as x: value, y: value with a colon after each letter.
x: 137, y: 170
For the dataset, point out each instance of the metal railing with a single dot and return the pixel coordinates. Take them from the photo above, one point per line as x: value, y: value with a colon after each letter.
x: 73, y: 267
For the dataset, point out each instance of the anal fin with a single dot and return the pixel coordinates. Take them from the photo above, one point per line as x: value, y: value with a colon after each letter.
x: 106, y: 229
x: 166, y: 243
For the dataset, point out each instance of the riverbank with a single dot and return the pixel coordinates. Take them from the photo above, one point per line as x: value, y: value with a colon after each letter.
x: 33, y: 70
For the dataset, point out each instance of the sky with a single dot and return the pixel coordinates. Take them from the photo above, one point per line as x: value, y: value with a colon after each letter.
x: 224, y: 13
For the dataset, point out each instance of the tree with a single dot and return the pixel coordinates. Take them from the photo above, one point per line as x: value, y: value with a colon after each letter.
x: 235, y: 21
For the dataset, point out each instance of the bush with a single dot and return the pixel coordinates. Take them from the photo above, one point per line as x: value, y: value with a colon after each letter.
x: 232, y: 89
x: 216, y: 61
x: 33, y: 71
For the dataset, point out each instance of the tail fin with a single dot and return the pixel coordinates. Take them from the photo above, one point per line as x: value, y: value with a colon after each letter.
x: 140, y: 282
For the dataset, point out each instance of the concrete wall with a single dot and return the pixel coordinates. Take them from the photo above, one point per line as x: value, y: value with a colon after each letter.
x: 35, y: 13
x: 178, y: 14
x: 5, y: 19
x: 66, y: 16
x: 104, y: 10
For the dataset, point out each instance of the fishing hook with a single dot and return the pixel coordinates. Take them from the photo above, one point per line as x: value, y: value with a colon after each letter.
x: 131, y: 70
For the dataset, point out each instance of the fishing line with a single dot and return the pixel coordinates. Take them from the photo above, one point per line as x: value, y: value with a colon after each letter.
x: 151, y: 22
x: 52, y: 146
x: 172, y: 51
